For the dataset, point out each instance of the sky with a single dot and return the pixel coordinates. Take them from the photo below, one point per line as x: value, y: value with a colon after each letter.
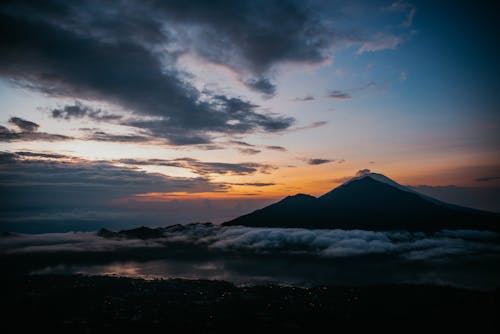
x: 127, y: 113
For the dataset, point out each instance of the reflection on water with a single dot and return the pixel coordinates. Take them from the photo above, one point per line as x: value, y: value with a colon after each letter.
x: 482, y: 274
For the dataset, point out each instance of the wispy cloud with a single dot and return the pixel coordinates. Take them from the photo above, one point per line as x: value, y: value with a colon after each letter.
x: 304, y: 99
x: 248, y: 151
x: 403, y: 7
x: 276, y: 148
x: 313, y: 125
x: 380, y: 41
x: 130, y: 138
x: 319, y: 161
x: 241, y: 143
x: 204, y: 168
x: 337, y: 94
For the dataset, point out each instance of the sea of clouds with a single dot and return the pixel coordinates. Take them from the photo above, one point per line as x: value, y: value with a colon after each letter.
x: 283, y: 241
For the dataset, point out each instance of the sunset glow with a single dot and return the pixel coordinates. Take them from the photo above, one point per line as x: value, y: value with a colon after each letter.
x: 176, y: 105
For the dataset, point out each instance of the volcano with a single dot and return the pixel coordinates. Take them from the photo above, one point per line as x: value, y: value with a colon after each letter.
x: 369, y: 202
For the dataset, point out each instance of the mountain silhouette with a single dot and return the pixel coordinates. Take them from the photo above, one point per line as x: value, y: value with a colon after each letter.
x: 369, y: 202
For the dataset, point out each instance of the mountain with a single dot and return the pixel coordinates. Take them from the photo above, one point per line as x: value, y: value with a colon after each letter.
x: 369, y: 202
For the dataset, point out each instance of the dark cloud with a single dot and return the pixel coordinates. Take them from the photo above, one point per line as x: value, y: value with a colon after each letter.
x: 204, y: 168
x: 29, y: 132
x: 276, y: 148
x: 110, y: 53
x: 46, y: 192
x: 249, y: 151
x: 241, y: 143
x: 41, y: 155
x: 348, y: 93
x: 103, y: 136
x: 231, y: 115
x: 318, y: 161
x: 254, y: 35
x: 487, y: 178
x: 21, y: 169
x: 337, y: 94
x: 24, y: 125
x: 305, y: 98
x: 32, y: 136
x: 79, y: 110
x: 262, y: 85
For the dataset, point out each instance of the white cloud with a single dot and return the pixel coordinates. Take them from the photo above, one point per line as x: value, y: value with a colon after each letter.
x: 320, y: 243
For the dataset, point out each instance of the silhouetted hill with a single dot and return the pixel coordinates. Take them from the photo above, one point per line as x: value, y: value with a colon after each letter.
x: 293, y: 209
x: 371, y: 202
x: 136, y: 233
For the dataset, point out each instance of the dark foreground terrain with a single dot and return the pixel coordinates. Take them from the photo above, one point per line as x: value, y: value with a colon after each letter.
x: 90, y: 304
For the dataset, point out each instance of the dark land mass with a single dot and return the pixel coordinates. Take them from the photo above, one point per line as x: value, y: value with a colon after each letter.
x: 98, y: 304
x: 369, y: 204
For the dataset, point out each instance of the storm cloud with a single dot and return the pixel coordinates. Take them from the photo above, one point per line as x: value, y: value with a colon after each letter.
x: 127, y: 54
x: 93, y: 55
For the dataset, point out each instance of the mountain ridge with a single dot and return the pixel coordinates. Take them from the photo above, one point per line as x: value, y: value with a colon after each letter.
x: 373, y: 202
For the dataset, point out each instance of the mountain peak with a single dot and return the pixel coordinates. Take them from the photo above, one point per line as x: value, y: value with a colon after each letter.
x: 368, y: 177
x: 377, y: 177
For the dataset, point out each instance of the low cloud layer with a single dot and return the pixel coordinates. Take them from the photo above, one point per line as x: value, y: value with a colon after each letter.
x: 245, y: 255
x: 440, y: 246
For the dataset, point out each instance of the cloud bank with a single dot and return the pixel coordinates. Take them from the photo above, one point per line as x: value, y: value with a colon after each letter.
x: 440, y: 246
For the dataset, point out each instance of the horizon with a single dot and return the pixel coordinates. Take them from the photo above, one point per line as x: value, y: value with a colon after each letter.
x: 125, y: 114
